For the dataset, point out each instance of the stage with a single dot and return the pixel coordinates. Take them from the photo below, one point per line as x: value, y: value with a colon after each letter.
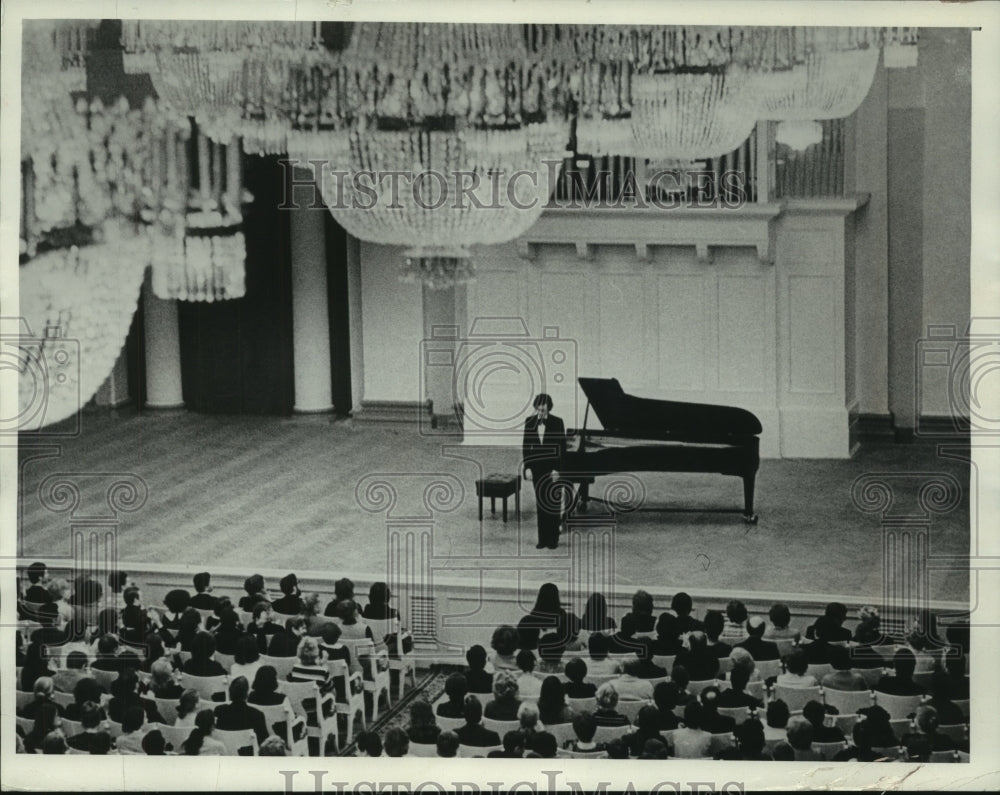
x: 303, y: 493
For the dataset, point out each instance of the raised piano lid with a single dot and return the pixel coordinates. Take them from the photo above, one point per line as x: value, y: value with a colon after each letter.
x: 622, y: 414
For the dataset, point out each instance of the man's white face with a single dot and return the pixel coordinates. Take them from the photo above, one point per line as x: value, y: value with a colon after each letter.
x: 542, y: 411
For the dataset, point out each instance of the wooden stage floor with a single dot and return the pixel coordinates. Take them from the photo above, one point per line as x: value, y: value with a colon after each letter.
x: 283, y: 493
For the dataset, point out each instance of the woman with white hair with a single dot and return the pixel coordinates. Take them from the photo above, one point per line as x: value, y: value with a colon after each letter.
x: 506, y: 701
x: 607, y: 713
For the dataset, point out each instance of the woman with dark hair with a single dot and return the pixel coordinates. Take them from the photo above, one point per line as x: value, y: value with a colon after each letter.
x: 246, y: 661
x: 576, y: 672
x: 734, y: 630
x: 547, y: 614
x: 552, y: 707
x: 504, y: 643
x: 47, y: 719
x: 396, y: 743
x: 423, y: 728
x: 290, y: 603
x: 229, y: 632
x: 187, y: 708
x: 201, y: 742
x: 36, y: 664
x: 647, y: 727
x: 378, y: 603
x: 351, y: 627
x: 796, y: 668
x: 528, y: 684
x: 265, y: 688
x: 176, y: 602
x: 667, y: 642
x: 188, y: 626
x: 256, y: 592
x: 125, y: 694
x: 222, y: 604
x: 779, y: 617
x: 596, y: 617
x: 86, y: 689
x: 642, y: 611
x: 154, y: 651
x: 334, y: 649
x: 900, y: 681
x: 202, y: 662
x: 665, y: 699
x: 455, y: 687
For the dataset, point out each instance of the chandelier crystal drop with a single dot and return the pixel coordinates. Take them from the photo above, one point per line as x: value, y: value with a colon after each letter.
x: 828, y: 85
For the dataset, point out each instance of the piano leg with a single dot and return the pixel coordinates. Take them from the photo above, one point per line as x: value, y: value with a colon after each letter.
x: 584, y: 495
x: 748, y: 483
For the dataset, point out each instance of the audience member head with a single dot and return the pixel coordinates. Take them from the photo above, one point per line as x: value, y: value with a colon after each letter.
x: 526, y: 660
x: 548, y: 602
x: 273, y: 746
x: 133, y: 719
x: 796, y: 662
x: 631, y: 667
x: 585, y: 727
x: 58, y: 590
x: 736, y: 611
x: 551, y: 646
x: 527, y: 716
x: 296, y: 625
x: 447, y: 744
x: 370, y: 743
x: 714, y: 623
x: 76, y: 661
x: 343, y: 589
x: 347, y: 611
x: 476, y: 657
x: 513, y: 742
x: 780, y: 615
x: 904, y: 662
x: 421, y: 714
x: 202, y: 582
x: 544, y: 744
x: 869, y: 625
x: 835, y: 614
x: 738, y: 679
x: 132, y: 596
x: 697, y: 641
x: 331, y: 633
x: 750, y: 737
x: 117, y: 580
x: 814, y: 712
x: 617, y: 749
x: 247, y: 651
x: 665, y: 696
x: 681, y: 604
x: 54, y: 743
x: 472, y: 709
x: 598, y: 646
x: 261, y: 612
x: 679, y: 676
x: 107, y: 621
x: 203, y: 645
x: 505, y: 640
x: 642, y: 603
x: 204, y: 724
x: 860, y: 736
x: 741, y: 658
x: 87, y: 689
x: 188, y: 702
x: 229, y: 620
x: 709, y: 698
x: 289, y: 585
x: 648, y: 720
x: 504, y: 685
x: 455, y: 687
x: 310, y: 605
x: 777, y: 714
x: 265, y: 681
x: 552, y: 696
x: 44, y: 687
x: 308, y: 651
x: 107, y: 646
x: 239, y: 689
x: 799, y: 732
x: 607, y: 697
x: 379, y: 594
x: 154, y: 743
x: 254, y: 584
x: 756, y: 626
x: 629, y: 625
x: 576, y: 670
x: 927, y: 719
x: 693, y: 712
x: 840, y: 658
x: 653, y: 749
x: 222, y: 604
x: 188, y: 623
x: 91, y: 715
x: 36, y: 572
x: 667, y: 626
x: 595, y: 614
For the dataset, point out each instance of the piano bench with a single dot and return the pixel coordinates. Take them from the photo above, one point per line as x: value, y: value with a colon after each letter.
x: 502, y: 486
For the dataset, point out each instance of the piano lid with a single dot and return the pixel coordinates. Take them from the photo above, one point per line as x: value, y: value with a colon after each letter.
x: 645, y: 418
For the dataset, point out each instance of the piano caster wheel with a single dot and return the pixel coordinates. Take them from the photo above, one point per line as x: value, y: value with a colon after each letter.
x: 750, y: 518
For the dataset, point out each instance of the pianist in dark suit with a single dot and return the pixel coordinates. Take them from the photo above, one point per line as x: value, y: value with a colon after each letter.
x: 544, y: 448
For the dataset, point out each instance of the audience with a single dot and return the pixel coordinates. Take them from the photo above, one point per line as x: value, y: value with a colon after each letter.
x: 818, y: 652
x: 599, y: 664
x: 665, y: 699
x: 189, y: 625
x: 201, y: 742
x: 527, y: 719
x: 187, y: 708
x: 351, y: 625
x: 130, y: 742
x: 596, y: 616
x: 90, y: 740
x: 861, y: 750
x: 715, y: 622
x: 125, y: 694
x: 779, y: 617
x: 65, y: 679
x: 833, y: 617
x: 290, y: 603
x: 735, y: 695
x: 607, y: 713
x: 369, y: 743
x: 625, y: 641
x: 262, y: 625
x: 36, y: 664
x: 504, y: 643
x: 238, y: 714
x: 512, y: 747
x: 310, y: 667
x: 273, y: 746
x: 798, y: 743
x: 422, y: 728
x: 544, y: 744
x: 37, y: 593
x: 647, y: 727
x: 668, y: 630
x: 154, y: 743
x: 203, y: 599
x: 949, y: 713
x: 528, y: 684
x: 711, y: 720
x: 455, y: 688
x: 53, y: 743
x: 584, y: 727
x: 477, y: 678
x: 265, y: 692
x: 682, y: 606
x: 629, y: 685
x: 750, y: 743
x: 759, y: 648
x: 447, y: 745
x: 815, y: 712
x: 900, y: 682
x: 842, y: 677
x: 505, y: 701
x: 878, y: 727
x: 576, y: 672
x: 228, y: 632
x: 642, y: 612
x: 473, y: 733
x: 246, y: 660
x: 734, y: 630
x: 925, y: 737
x: 203, y: 662
x: 776, y: 721
x: 285, y: 643
x: 256, y: 591
x: 552, y: 708
x: 691, y: 741
x: 547, y: 614
x: 700, y: 661
x: 796, y: 666
x: 86, y: 691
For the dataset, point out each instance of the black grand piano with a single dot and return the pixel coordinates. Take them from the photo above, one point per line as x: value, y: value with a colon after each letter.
x: 646, y: 435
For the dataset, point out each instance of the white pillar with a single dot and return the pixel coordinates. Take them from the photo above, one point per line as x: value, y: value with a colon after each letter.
x: 163, y: 350
x: 310, y: 311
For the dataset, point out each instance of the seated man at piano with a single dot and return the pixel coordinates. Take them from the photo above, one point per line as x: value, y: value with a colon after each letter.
x: 648, y: 435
